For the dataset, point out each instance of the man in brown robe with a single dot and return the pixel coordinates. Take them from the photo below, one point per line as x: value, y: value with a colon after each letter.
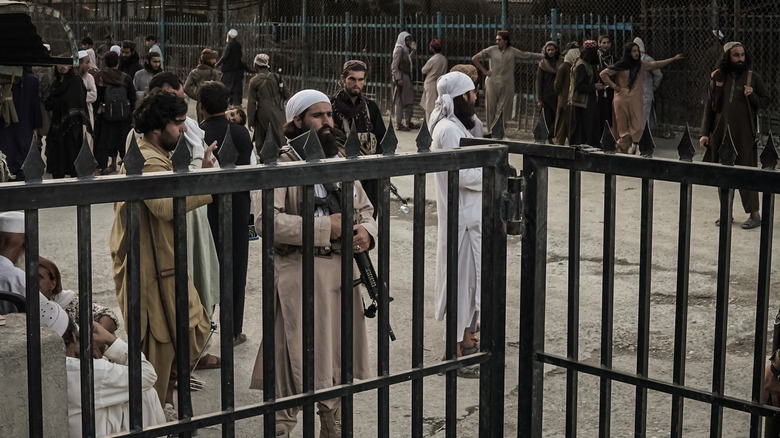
x: 160, y: 118
x: 736, y: 93
x: 310, y: 109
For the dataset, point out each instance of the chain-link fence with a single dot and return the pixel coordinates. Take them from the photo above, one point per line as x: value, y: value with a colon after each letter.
x: 309, y: 40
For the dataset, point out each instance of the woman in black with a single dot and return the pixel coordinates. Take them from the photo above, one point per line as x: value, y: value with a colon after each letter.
x: 68, y: 104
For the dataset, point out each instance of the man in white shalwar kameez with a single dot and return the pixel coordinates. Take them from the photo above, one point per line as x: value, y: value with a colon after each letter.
x: 112, y: 393
x: 451, y: 120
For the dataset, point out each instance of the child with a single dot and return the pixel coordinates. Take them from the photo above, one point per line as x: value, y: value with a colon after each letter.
x: 236, y: 114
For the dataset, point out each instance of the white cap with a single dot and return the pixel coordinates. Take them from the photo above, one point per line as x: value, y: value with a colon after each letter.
x: 12, y: 222
x: 83, y: 54
x: 232, y: 33
x: 302, y: 100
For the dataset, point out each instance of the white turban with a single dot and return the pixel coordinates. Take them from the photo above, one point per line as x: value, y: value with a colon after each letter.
x: 302, y: 100
x: 12, y: 222
x: 52, y: 315
x: 83, y: 54
x: 116, y: 49
x: 232, y: 33
x: 449, y: 86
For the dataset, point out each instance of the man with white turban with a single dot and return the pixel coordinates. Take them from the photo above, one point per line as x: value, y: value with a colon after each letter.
x: 12, y: 279
x: 307, y: 110
x: 451, y: 120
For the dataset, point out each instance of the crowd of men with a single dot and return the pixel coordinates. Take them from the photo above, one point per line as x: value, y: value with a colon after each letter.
x: 111, y: 97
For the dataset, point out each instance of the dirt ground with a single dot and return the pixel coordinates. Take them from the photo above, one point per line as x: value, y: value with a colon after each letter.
x: 58, y: 242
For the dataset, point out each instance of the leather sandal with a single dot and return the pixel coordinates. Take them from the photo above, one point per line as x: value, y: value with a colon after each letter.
x: 751, y: 223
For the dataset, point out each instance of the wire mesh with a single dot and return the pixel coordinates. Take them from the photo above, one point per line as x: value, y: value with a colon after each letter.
x: 309, y: 40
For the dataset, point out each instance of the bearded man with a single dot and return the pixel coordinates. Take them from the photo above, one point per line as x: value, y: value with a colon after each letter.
x: 451, y: 120
x: 129, y: 59
x: 307, y: 110
x: 201, y: 74
x: 160, y: 118
x: 735, y: 94
x: 353, y: 110
x: 264, y: 105
x: 152, y: 66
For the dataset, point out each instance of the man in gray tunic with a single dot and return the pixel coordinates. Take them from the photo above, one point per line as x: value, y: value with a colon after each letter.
x: 433, y: 69
x: 500, y: 81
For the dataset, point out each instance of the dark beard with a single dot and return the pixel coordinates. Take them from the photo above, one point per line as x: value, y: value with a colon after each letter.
x: 737, y: 68
x: 151, y: 70
x: 328, y: 142
x: 464, y: 111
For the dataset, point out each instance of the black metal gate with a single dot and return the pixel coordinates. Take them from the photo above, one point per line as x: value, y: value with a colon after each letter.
x: 134, y: 189
x: 537, y: 160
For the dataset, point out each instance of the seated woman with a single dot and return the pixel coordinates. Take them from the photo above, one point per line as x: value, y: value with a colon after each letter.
x: 50, y: 283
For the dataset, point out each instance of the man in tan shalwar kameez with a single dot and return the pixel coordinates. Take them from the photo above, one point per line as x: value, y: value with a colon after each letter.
x: 310, y: 109
x: 160, y: 117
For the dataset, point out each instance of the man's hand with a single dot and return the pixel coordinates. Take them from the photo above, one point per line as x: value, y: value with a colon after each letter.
x: 487, y: 72
x: 771, y: 394
x: 101, y: 339
x: 335, y: 226
x: 208, y: 157
x: 539, y: 104
x: 362, y: 240
x: 704, y: 141
x: 400, y: 82
x: 748, y: 90
x: 598, y: 86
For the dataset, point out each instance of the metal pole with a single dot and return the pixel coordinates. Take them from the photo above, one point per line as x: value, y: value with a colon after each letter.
x: 305, y: 36
x: 401, y: 16
x: 554, y: 24
x: 503, y: 14
x: 439, y: 22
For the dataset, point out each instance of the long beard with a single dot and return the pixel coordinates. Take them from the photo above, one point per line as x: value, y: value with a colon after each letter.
x: 328, y: 142
x: 738, y: 68
x: 20, y: 261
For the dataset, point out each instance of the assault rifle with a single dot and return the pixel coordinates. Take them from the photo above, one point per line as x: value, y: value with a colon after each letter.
x: 366, y: 268
x: 308, y: 147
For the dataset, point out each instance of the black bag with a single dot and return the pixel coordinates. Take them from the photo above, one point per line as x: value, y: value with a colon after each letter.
x: 116, y: 106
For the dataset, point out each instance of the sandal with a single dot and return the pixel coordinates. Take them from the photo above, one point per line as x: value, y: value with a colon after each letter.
x: 468, y: 372
x: 209, y: 362
x: 239, y: 339
x: 751, y: 223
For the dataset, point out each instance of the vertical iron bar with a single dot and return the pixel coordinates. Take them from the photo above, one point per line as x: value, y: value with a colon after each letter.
x: 84, y: 233
x: 225, y: 248
x: 182, y: 308
x: 451, y: 387
x: 307, y: 300
x: 493, y: 301
x: 532, y: 296
x: 607, y: 304
x: 347, y: 296
x: 681, y: 306
x: 721, y: 308
x: 573, y: 324
x: 269, y: 336
x: 34, y: 389
x: 643, y: 320
x: 762, y: 304
x: 418, y: 301
x: 383, y: 321
x: 133, y: 288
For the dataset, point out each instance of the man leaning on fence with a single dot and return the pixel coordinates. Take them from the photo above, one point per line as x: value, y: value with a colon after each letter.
x: 310, y: 109
x: 736, y: 93
x: 160, y: 118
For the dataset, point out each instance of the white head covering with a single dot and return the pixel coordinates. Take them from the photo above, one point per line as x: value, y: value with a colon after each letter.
x: 12, y: 222
x: 401, y: 41
x: 52, y: 315
x: 729, y: 45
x: 261, y: 60
x: 449, y: 86
x: 638, y: 41
x: 232, y: 33
x: 572, y: 55
x: 92, y: 62
x: 83, y: 54
x: 116, y: 49
x: 302, y: 100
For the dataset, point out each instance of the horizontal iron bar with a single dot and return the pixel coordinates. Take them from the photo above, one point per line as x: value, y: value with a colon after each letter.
x: 65, y: 192
x: 657, y: 385
x: 699, y: 173
x: 258, y: 409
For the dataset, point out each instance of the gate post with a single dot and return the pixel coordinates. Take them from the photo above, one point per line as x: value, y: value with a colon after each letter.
x: 532, y: 295
x: 493, y: 295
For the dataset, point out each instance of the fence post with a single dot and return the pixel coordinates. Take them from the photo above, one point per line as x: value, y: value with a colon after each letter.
x: 503, y: 14
x: 347, y: 33
x: 305, y: 37
x: 554, y: 24
x: 401, y: 20
x: 439, y: 22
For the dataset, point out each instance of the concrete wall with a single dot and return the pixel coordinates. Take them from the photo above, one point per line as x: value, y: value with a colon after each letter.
x: 13, y: 380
